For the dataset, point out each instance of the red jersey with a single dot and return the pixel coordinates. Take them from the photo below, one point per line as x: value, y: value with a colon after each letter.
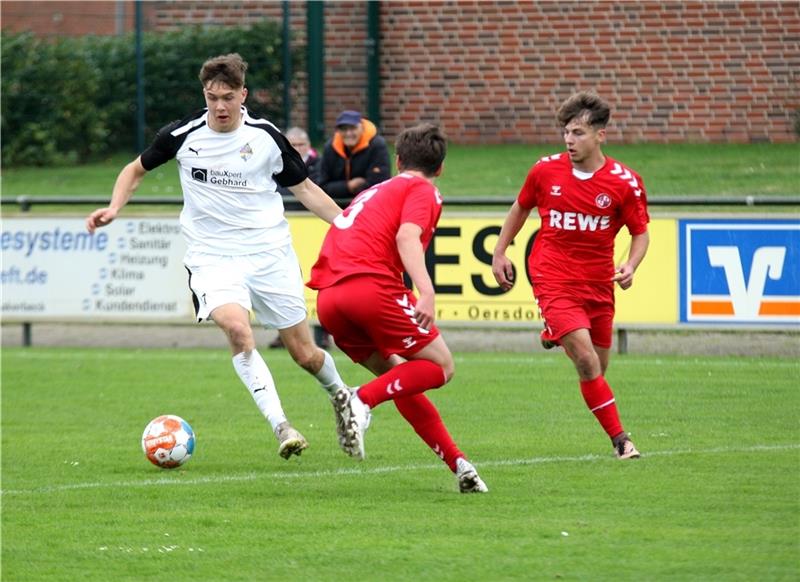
x: 581, y: 215
x: 361, y: 240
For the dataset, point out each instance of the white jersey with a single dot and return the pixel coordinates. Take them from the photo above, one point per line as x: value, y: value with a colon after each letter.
x: 231, y: 205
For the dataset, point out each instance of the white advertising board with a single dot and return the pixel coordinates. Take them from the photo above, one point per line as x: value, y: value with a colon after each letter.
x: 132, y: 270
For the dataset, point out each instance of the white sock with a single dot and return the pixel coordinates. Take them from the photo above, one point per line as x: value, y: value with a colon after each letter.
x: 328, y: 375
x: 254, y: 373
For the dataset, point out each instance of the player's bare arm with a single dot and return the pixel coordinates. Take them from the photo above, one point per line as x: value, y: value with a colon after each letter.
x: 502, y: 269
x: 127, y: 182
x: 409, y: 246
x: 316, y: 200
x: 625, y: 271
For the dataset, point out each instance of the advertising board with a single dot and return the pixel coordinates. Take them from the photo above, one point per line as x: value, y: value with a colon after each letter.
x: 710, y: 271
x: 740, y: 271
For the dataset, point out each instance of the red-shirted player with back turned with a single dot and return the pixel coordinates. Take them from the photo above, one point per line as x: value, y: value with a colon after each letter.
x: 584, y: 198
x: 371, y: 314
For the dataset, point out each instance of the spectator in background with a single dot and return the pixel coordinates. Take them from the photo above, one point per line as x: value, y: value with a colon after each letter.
x: 354, y: 159
x: 299, y: 140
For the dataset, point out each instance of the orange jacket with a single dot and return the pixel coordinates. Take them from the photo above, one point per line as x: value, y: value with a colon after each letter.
x: 369, y: 159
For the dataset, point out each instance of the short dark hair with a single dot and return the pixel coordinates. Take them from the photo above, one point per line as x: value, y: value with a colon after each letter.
x: 584, y: 105
x: 228, y: 69
x: 422, y: 147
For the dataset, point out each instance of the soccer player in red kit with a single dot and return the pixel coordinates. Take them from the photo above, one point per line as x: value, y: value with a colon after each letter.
x: 584, y: 198
x: 374, y: 318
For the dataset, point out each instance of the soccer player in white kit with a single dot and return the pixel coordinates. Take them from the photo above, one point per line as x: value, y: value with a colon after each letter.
x: 240, y: 255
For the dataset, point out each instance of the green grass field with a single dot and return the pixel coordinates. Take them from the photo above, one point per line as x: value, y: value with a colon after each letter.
x: 716, y: 495
x: 667, y: 170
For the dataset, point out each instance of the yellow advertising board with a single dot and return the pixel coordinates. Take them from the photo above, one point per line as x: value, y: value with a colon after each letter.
x: 459, y: 261
x: 653, y: 299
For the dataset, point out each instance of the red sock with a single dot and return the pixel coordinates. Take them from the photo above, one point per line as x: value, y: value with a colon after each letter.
x: 421, y: 414
x: 600, y: 399
x: 407, y: 379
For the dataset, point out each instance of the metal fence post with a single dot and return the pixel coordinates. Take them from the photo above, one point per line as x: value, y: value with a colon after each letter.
x: 622, y: 340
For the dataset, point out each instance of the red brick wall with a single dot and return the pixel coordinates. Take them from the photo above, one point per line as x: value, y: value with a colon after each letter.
x: 673, y: 71
x: 492, y: 72
x: 68, y: 18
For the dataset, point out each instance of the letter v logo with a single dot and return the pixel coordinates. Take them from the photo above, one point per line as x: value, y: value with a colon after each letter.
x: 746, y: 298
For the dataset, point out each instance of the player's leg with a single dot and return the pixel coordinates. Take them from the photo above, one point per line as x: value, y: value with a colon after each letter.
x: 378, y: 365
x: 254, y: 373
x: 222, y: 284
x: 426, y: 421
x: 595, y: 390
x: 597, y: 393
x: 313, y: 359
x: 581, y: 319
x: 430, y: 367
x: 340, y: 308
x: 234, y: 321
x: 420, y: 412
x: 416, y: 409
x: 602, y: 319
x: 370, y: 322
x: 604, y: 354
x: 275, y: 284
x: 407, y: 378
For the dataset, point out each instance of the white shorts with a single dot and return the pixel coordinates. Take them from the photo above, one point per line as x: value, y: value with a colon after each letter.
x: 269, y: 283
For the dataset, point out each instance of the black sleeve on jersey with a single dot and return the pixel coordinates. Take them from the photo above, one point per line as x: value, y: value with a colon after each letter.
x: 165, y: 145
x: 294, y: 168
x: 163, y: 148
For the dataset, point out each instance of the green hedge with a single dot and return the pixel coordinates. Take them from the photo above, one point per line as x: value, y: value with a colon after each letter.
x: 70, y: 100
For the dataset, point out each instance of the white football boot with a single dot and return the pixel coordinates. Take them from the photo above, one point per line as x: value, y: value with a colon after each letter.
x: 352, y: 420
x: 468, y: 479
x: 291, y: 441
x: 626, y: 450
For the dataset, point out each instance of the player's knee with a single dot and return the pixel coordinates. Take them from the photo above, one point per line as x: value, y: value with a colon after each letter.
x: 240, y: 336
x: 449, y: 370
x: 587, y: 364
x: 307, y: 356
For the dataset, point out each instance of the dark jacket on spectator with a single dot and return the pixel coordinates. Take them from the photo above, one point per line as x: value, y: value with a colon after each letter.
x: 369, y: 159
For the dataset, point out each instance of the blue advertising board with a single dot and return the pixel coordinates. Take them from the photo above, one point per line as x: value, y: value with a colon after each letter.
x: 739, y: 271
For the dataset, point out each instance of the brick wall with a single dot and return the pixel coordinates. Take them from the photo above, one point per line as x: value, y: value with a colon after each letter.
x: 68, y: 18
x: 674, y: 71
x: 492, y: 72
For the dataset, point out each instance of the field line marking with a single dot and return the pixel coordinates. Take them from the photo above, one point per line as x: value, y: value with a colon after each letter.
x: 380, y: 470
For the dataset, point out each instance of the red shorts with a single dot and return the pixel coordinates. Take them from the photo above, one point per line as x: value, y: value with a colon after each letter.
x: 565, y: 307
x: 368, y: 314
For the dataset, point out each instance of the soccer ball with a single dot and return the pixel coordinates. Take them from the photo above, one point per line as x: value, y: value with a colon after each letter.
x: 168, y: 441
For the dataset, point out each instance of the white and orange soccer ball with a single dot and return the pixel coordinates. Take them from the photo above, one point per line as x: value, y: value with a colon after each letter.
x: 168, y: 441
